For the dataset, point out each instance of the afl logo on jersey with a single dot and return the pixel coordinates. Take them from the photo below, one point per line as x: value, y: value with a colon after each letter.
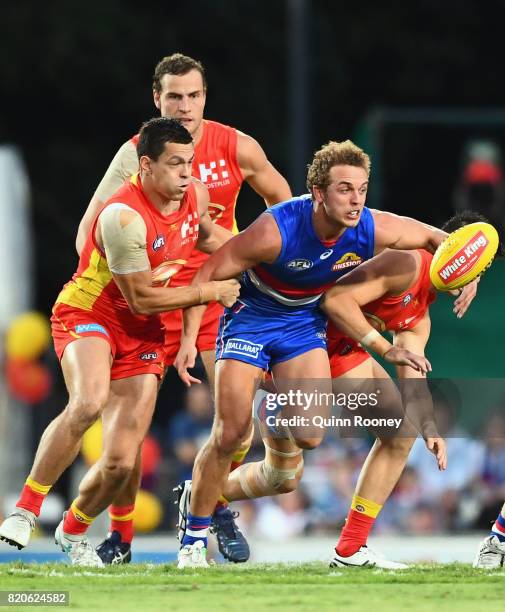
x: 158, y: 242
x: 299, y: 264
x: 407, y: 299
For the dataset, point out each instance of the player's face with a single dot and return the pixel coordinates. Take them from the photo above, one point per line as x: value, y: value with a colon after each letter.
x: 170, y: 174
x: 183, y: 98
x: 345, y: 196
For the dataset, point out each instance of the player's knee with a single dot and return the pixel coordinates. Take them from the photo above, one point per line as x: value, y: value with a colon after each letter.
x: 308, y: 443
x: 82, y: 411
x: 118, y: 468
x: 229, y: 437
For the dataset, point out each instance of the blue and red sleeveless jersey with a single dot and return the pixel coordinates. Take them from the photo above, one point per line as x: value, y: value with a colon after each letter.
x: 307, y: 266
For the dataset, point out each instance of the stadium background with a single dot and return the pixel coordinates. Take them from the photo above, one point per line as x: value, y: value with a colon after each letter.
x: 418, y: 86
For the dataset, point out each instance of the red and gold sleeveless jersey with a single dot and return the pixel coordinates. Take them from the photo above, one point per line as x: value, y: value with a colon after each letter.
x: 398, y: 312
x: 170, y: 241
x: 215, y: 165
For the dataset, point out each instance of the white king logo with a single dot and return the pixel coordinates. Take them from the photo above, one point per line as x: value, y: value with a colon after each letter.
x: 190, y: 226
x: 212, y: 172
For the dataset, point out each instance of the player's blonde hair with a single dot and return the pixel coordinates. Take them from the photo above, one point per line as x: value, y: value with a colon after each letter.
x: 334, y: 153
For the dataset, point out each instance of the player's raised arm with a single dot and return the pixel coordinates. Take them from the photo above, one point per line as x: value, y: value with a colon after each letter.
x: 124, y: 164
x: 260, y: 242
x: 396, y: 232
x: 121, y: 232
x: 261, y: 175
x: 383, y: 275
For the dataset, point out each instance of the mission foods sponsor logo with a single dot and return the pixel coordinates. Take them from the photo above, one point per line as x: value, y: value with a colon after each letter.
x: 464, y: 259
x: 243, y: 347
x: 348, y: 260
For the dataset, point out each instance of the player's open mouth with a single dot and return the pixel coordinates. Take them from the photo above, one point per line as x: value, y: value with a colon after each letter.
x: 354, y: 214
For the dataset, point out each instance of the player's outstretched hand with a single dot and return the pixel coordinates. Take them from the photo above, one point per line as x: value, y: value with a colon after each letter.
x: 462, y: 303
x: 400, y: 356
x: 186, y: 359
x: 227, y: 292
x: 438, y: 447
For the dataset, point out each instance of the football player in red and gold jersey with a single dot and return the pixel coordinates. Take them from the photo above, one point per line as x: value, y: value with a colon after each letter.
x: 108, y: 332
x: 224, y: 158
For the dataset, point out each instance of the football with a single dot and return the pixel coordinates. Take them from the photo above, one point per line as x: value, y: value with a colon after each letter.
x: 464, y: 255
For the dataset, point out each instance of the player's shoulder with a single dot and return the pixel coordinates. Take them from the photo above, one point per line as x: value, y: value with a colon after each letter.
x: 398, y: 261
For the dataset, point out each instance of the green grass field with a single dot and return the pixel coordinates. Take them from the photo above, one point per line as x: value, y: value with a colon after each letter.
x: 310, y: 586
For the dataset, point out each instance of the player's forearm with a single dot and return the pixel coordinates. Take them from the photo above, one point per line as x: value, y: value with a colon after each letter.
x: 418, y: 235
x: 191, y: 321
x: 346, y: 314
x: 149, y: 300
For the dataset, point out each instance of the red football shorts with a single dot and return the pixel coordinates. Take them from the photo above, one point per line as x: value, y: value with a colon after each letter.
x: 131, y: 355
x: 206, y: 340
x: 345, y: 354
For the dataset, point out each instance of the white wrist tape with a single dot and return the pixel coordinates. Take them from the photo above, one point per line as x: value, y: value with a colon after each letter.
x: 370, y: 337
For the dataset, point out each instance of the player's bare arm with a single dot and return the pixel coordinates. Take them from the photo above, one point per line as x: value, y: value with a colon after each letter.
x: 417, y: 396
x: 123, y: 165
x: 259, y: 172
x: 396, y: 232
x: 386, y: 274
x: 121, y: 232
x: 260, y: 242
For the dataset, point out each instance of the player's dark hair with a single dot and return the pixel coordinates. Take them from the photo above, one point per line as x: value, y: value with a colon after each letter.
x: 465, y: 217
x: 177, y: 64
x: 158, y: 131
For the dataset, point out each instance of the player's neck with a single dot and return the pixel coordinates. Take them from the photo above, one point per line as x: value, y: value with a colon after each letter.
x: 326, y: 229
x: 197, y: 135
x: 163, y: 204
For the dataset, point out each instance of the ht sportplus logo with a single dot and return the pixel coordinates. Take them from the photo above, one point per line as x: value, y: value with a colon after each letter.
x: 215, y: 171
x: 190, y: 225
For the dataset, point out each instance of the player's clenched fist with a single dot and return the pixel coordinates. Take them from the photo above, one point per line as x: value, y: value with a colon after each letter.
x: 225, y: 292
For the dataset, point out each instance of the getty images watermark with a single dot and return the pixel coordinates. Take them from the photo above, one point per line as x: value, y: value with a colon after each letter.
x: 296, y: 399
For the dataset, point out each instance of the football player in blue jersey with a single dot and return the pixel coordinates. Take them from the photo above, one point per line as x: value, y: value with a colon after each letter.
x: 288, y: 257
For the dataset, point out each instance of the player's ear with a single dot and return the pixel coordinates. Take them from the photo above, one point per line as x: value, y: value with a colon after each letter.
x: 145, y: 164
x: 317, y: 194
x: 156, y: 98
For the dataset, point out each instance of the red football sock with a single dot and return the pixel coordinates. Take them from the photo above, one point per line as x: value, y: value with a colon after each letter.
x: 121, y: 519
x: 32, y: 496
x: 360, y: 520
x: 76, y: 522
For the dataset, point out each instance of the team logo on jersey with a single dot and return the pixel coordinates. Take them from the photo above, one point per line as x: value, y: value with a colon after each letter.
x: 243, y: 347
x: 299, y: 264
x: 407, y: 299
x: 216, y: 211
x: 148, y: 356
x: 348, y: 260
x: 158, y: 242
x: 190, y: 225
x: 162, y: 274
x: 215, y: 172
x: 326, y: 254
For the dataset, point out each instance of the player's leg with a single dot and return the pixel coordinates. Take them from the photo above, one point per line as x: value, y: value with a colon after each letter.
x: 279, y: 472
x: 86, y: 370
x: 491, y: 552
x: 231, y: 541
x: 236, y: 384
x: 379, y: 474
x: 126, y: 420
